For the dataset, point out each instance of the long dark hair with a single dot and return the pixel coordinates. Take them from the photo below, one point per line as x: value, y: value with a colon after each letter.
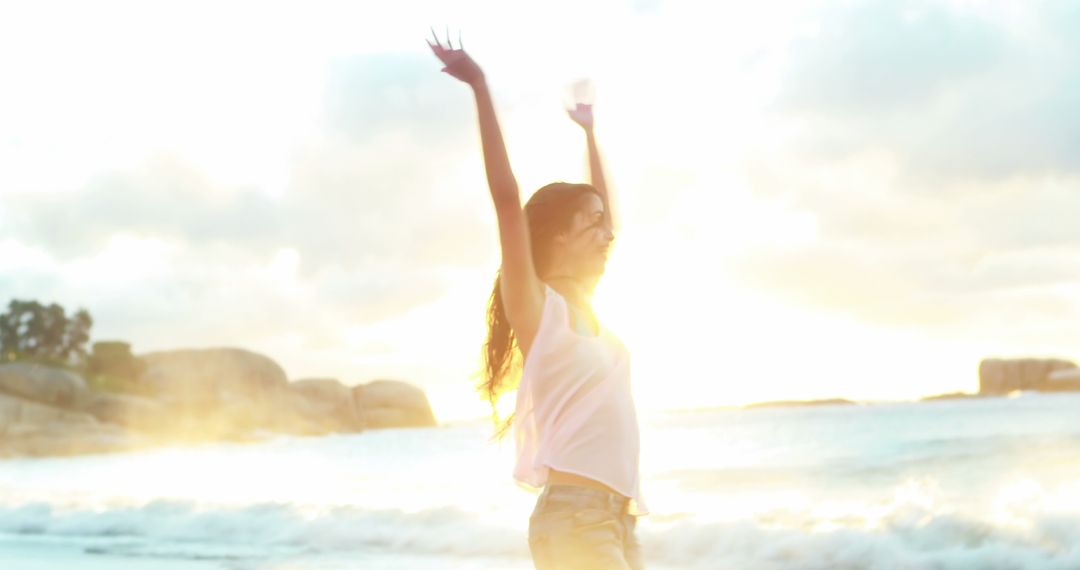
x: 549, y: 211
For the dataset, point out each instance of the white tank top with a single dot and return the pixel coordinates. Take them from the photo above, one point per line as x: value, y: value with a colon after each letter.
x: 574, y: 410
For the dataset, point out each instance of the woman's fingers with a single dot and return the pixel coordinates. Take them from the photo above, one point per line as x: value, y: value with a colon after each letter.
x: 440, y: 52
x: 444, y: 51
x: 457, y: 62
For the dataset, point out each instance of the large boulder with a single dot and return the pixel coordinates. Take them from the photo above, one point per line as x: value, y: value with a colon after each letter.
x: 391, y: 403
x: 287, y: 410
x: 33, y: 428
x: 326, y: 403
x: 1067, y: 379
x: 130, y: 411
x: 1001, y: 376
x: 992, y: 376
x: 215, y: 393
x: 44, y: 384
x: 16, y: 411
x: 1058, y: 365
x: 211, y: 377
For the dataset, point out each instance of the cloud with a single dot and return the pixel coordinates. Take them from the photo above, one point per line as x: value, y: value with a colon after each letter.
x: 372, y: 94
x: 1007, y: 251
x: 377, y: 219
x: 935, y: 148
x: 955, y: 92
x: 920, y: 288
x: 916, y: 167
x: 163, y: 198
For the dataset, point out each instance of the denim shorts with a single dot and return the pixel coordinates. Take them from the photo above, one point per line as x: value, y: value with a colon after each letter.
x: 574, y: 527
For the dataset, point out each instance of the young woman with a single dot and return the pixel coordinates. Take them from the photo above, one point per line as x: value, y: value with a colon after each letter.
x: 575, y: 424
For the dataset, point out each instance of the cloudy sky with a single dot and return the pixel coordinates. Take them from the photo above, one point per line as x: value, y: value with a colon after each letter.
x: 819, y: 199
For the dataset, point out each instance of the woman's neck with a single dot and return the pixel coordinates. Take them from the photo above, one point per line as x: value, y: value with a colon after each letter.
x: 570, y: 287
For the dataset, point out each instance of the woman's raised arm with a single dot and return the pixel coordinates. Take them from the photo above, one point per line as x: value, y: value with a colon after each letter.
x: 521, y: 289
x: 582, y: 114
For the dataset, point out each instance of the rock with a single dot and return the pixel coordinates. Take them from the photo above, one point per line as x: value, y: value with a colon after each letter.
x: 800, y: 403
x: 288, y: 411
x: 197, y: 395
x: 1067, y: 379
x: 1033, y: 372
x: 44, y: 384
x: 16, y: 411
x: 215, y: 392
x: 391, y: 403
x: 1001, y: 376
x: 326, y: 402
x: 1066, y: 375
x: 135, y: 412
x: 992, y: 376
x: 211, y: 376
x: 36, y: 429
x: 1011, y: 375
x: 1058, y: 365
x: 951, y: 396
x: 392, y: 418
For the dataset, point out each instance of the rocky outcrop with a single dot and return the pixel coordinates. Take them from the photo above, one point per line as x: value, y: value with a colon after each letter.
x: 191, y: 395
x: 325, y: 404
x: 33, y: 428
x: 211, y: 375
x: 215, y: 392
x: 133, y: 412
x: 951, y: 396
x: 391, y: 403
x: 44, y: 384
x: 1001, y: 376
x: 1067, y: 379
x: 800, y: 403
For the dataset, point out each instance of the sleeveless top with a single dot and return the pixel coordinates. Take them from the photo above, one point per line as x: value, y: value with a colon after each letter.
x: 574, y: 410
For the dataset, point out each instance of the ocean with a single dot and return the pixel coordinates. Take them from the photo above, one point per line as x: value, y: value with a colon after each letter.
x: 989, y: 483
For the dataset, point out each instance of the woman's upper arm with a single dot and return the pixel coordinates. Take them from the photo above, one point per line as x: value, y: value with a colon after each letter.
x: 521, y: 288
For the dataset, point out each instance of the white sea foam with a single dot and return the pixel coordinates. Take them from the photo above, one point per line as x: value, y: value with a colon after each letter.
x: 910, y: 536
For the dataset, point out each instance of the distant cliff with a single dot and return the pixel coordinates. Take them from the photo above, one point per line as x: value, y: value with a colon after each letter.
x: 1001, y: 376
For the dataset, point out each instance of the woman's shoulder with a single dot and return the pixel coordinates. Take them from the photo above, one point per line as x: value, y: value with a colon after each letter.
x: 553, y: 302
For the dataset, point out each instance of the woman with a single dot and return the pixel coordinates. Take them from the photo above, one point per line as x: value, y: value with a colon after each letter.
x: 574, y: 422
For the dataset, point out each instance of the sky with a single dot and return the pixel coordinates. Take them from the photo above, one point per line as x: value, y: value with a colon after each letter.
x: 818, y: 199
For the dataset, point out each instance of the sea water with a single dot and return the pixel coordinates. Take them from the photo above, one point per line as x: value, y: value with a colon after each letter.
x: 988, y: 483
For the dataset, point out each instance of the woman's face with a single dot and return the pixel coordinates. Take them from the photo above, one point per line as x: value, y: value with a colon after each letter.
x: 588, y: 240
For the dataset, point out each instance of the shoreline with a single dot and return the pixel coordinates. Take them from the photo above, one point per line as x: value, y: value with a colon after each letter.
x: 144, y: 442
x: 826, y: 402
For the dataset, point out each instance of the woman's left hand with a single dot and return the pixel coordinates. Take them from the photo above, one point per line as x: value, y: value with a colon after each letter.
x: 582, y: 115
x: 582, y: 112
x: 457, y: 63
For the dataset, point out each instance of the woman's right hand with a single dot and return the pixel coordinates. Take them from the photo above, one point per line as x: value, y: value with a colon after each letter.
x: 457, y: 63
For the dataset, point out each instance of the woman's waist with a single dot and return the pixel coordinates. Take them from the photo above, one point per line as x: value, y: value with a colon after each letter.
x: 582, y: 492
x: 557, y: 477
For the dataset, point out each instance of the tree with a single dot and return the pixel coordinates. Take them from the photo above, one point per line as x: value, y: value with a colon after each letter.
x: 32, y: 331
x: 111, y: 367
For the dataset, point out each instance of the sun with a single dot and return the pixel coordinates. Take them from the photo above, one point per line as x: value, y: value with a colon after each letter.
x: 699, y: 337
